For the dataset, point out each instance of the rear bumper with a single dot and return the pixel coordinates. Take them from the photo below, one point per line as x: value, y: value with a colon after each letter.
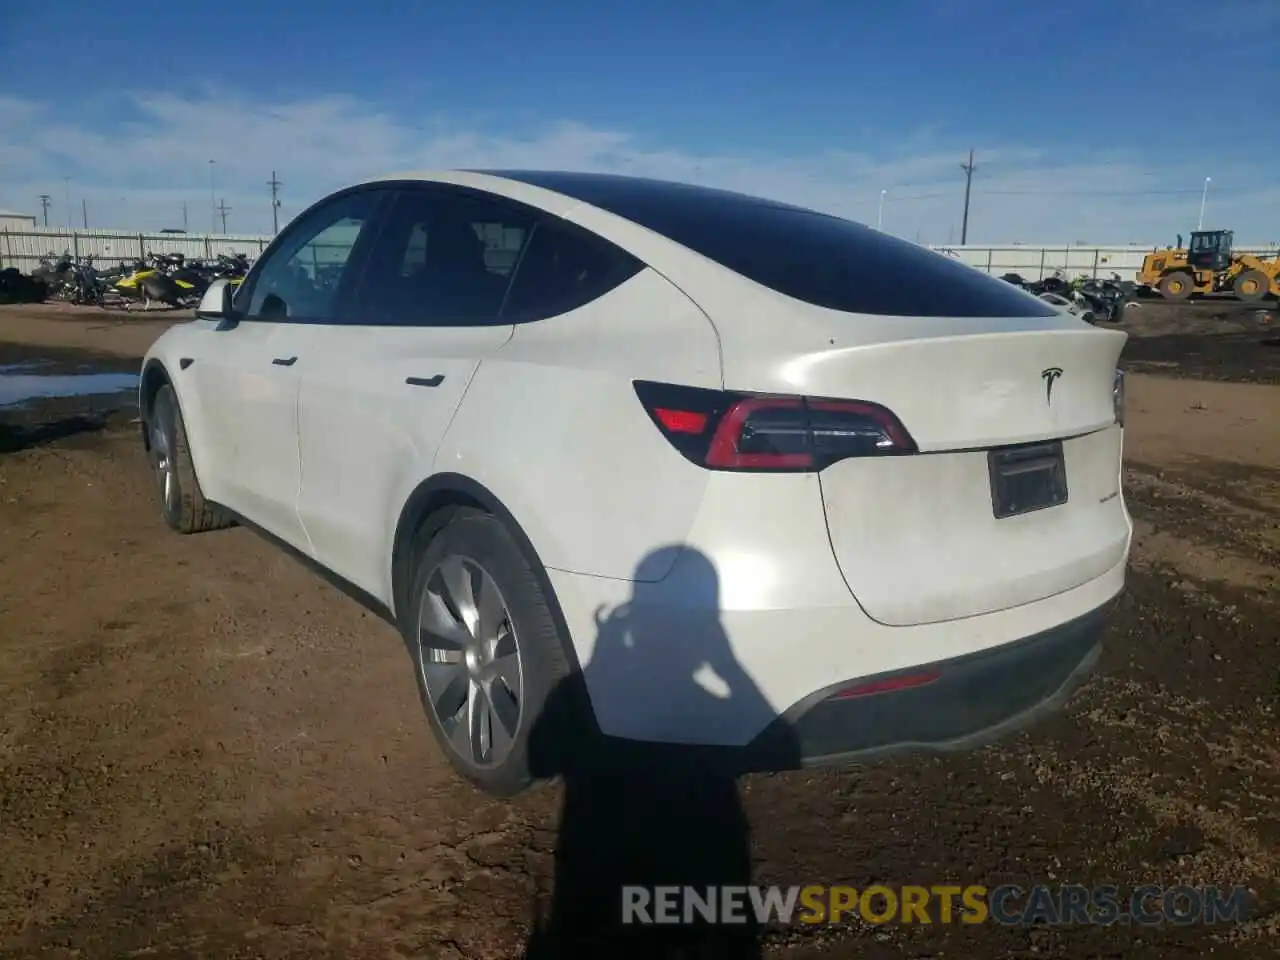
x: 974, y: 700
x: 728, y: 677
x: 755, y: 623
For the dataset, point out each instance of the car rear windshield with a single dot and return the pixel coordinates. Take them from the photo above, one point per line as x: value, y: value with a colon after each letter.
x: 820, y: 259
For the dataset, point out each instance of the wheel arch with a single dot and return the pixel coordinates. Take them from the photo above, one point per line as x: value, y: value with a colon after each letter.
x: 427, y: 510
x: 154, y: 376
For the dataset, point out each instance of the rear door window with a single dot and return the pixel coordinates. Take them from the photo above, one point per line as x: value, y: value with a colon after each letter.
x: 444, y: 257
x: 565, y: 267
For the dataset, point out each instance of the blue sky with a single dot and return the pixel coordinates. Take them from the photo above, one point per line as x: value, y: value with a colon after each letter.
x: 1091, y: 121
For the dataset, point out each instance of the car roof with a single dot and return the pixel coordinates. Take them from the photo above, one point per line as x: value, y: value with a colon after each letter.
x: 535, y: 196
x: 608, y: 189
x: 603, y: 190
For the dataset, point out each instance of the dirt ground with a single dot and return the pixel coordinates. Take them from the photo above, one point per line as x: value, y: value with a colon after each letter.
x: 206, y: 750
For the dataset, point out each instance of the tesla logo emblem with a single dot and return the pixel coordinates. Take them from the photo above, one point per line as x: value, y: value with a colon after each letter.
x: 1050, y: 376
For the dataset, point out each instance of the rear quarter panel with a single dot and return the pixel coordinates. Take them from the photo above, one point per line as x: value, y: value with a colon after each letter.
x: 553, y: 428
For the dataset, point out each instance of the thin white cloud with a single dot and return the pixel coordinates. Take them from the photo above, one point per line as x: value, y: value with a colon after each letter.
x: 138, y: 173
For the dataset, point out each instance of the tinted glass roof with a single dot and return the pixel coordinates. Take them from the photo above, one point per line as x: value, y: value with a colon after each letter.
x: 811, y: 256
x: 599, y: 189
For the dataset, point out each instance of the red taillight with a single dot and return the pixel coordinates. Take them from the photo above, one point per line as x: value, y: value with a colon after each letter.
x: 887, y: 685
x: 731, y: 431
x: 734, y: 433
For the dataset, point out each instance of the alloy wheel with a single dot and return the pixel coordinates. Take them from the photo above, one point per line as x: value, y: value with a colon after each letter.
x: 162, y: 456
x: 470, y: 661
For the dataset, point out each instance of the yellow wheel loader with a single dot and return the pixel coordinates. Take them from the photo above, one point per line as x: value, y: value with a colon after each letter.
x: 1209, y: 265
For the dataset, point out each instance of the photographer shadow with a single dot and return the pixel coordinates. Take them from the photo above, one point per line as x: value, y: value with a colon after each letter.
x: 645, y: 815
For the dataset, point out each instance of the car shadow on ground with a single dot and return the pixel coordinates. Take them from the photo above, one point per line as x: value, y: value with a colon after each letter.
x: 642, y: 816
x: 16, y: 437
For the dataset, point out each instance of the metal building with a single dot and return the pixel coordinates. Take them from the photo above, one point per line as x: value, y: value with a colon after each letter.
x: 16, y: 221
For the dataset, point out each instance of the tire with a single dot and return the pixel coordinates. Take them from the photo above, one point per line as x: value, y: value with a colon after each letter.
x: 182, y: 504
x: 522, y: 629
x: 1176, y: 286
x: 1251, y: 285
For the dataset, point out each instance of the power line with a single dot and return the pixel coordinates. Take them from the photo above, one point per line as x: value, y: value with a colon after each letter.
x: 895, y: 197
x: 1087, y: 193
x: 899, y: 197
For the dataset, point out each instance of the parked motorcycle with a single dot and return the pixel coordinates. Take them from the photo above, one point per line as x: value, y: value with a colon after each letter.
x: 53, y: 270
x: 1094, y: 300
x: 172, y: 280
x: 169, y: 280
x: 1107, y: 298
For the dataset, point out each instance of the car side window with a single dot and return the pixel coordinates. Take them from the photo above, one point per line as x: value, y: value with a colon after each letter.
x: 301, y: 279
x: 443, y: 257
x: 565, y: 267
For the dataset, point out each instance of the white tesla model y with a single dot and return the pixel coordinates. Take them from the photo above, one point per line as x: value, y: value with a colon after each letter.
x: 731, y: 466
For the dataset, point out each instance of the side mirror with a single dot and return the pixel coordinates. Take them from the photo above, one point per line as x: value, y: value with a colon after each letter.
x: 216, y: 302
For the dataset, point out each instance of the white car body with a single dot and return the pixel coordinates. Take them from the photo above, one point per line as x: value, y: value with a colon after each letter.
x: 871, y: 566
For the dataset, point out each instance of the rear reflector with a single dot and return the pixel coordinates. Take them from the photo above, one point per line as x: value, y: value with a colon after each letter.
x: 681, y: 421
x: 721, y: 430
x: 887, y: 685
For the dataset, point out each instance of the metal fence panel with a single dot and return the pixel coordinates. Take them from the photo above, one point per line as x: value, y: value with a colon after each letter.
x: 1036, y: 263
x: 25, y: 248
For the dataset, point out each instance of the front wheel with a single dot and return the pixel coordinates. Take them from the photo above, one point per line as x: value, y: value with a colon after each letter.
x: 486, y: 648
x: 182, y: 503
x: 1251, y: 285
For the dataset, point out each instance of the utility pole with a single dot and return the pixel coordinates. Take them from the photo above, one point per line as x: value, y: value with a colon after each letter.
x: 84, y: 212
x: 45, y: 200
x: 275, y: 185
x: 66, y: 196
x: 184, y: 216
x: 968, y: 169
x: 223, y: 210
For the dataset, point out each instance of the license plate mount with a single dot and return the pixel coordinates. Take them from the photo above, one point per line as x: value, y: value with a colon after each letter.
x: 1027, y: 478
